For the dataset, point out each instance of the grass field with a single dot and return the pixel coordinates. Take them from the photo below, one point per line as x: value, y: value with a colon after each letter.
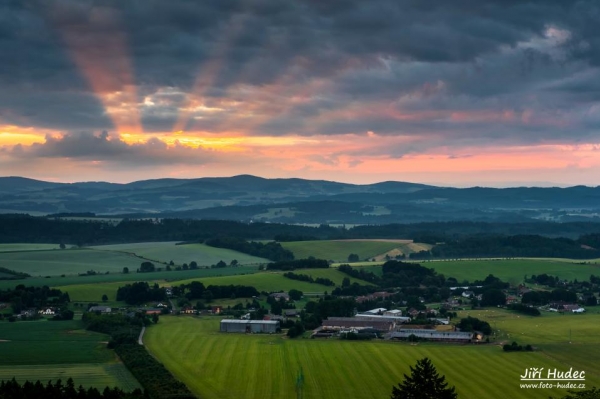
x: 338, y: 251
x: 67, y: 261
x: 164, y: 276
x: 46, y: 350
x: 511, y: 270
x: 27, y: 247
x: 267, y: 365
x: 180, y: 254
x: 274, y: 281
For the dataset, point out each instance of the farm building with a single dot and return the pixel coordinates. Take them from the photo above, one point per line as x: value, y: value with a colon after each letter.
x: 100, y: 309
x: 433, y: 335
x: 396, y: 319
x: 249, y: 326
x: 357, y: 323
x: 393, y: 312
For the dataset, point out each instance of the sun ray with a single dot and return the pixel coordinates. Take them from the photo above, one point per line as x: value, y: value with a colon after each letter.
x: 96, y: 42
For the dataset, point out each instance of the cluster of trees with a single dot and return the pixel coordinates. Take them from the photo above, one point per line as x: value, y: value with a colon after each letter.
x: 140, y: 292
x: 197, y: 290
x: 310, y: 263
x: 359, y: 274
x: 156, y: 380
x: 514, y: 246
x: 7, y: 274
x: 474, y: 324
x: 528, y: 310
x: 543, y: 279
x: 545, y: 297
x: 152, y: 375
x: 309, y: 279
x: 12, y: 389
x: 22, y: 297
x: 270, y: 250
x: 315, y: 312
x: 514, y: 347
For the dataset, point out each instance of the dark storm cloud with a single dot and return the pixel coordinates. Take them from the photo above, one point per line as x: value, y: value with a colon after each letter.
x: 388, y: 55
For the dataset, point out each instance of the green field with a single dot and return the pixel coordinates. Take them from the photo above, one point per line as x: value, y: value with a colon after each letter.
x: 267, y: 365
x: 27, y: 247
x: 338, y: 251
x: 46, y: 350
x: 511, y: 270
x: 274, y: 281
x: 180, y: 254
x: 67, y: 261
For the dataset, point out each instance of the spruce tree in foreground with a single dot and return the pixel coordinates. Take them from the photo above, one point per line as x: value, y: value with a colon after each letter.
x: 424, y: 382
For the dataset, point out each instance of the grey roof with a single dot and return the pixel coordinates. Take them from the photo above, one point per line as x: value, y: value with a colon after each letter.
x: 236, y: 321
x: 431, y: 334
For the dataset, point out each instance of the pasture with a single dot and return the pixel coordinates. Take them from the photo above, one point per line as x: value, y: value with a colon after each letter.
x: 274, y: 281
x: 67, y: 261
x: 27, y: 247
x: 511, y: 270
x: 338, y: 250
x: 45, y: 350
x: 267, y: 365
x: 165, y: 252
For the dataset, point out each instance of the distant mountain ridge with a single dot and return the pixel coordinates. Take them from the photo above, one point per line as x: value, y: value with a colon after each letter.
x: 294, y: 200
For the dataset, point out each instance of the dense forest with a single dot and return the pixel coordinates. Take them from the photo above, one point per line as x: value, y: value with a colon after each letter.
x: 450, y: 240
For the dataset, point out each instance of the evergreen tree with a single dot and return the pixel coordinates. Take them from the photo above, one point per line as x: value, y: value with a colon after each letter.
x: 424, y: 382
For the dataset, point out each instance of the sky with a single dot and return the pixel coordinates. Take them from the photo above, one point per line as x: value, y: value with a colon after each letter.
x: 456, y: 93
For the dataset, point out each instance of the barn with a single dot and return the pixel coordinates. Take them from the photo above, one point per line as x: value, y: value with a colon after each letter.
x: 249, y: 326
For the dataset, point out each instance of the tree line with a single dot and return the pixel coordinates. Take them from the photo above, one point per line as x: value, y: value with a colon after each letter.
x: 270, y: 250
x: 11, y: 389
x: 309, y: 279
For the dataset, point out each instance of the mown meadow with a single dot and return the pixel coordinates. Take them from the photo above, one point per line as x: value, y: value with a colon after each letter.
x: 219, y: 365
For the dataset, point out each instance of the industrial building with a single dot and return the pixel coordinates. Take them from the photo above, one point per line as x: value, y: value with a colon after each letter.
x: 433, y: 335
x: 249, y: 326
x: 356, y: 323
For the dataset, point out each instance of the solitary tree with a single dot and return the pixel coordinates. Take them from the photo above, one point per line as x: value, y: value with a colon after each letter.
x: 104, y: 298
x: 424, y: 382
x: 125, y: 270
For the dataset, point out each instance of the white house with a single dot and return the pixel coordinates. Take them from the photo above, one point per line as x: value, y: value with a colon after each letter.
x: 47, y: 311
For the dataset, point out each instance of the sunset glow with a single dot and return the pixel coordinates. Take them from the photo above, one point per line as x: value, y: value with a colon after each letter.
x: 299, y: 90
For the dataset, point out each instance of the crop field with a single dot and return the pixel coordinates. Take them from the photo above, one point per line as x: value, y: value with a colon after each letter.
x: 274, y: 281
x: 511, y: 270
x: 27, y: 247
x: 268, y: 365
x: 44, y: 350
x: 338, y: 251
x: 67, y: 261
x: 98, y: 375
x: 162, y: 276
x: 261, y: 281
x: 180, y: 254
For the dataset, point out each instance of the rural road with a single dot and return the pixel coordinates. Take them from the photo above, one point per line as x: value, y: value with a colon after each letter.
x: 141, y: 336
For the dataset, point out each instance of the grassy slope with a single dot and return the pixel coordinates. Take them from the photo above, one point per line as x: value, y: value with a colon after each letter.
x: 27, y: 247
x: 338, y: 251
x: 274, y: 281
x: 180, y: 254
x: 46, y: 350
x: 512, y: 270
x: 267, y: 366
x: 68, y: 261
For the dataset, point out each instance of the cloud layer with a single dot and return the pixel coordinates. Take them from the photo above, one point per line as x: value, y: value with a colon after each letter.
x: 339, y: 84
